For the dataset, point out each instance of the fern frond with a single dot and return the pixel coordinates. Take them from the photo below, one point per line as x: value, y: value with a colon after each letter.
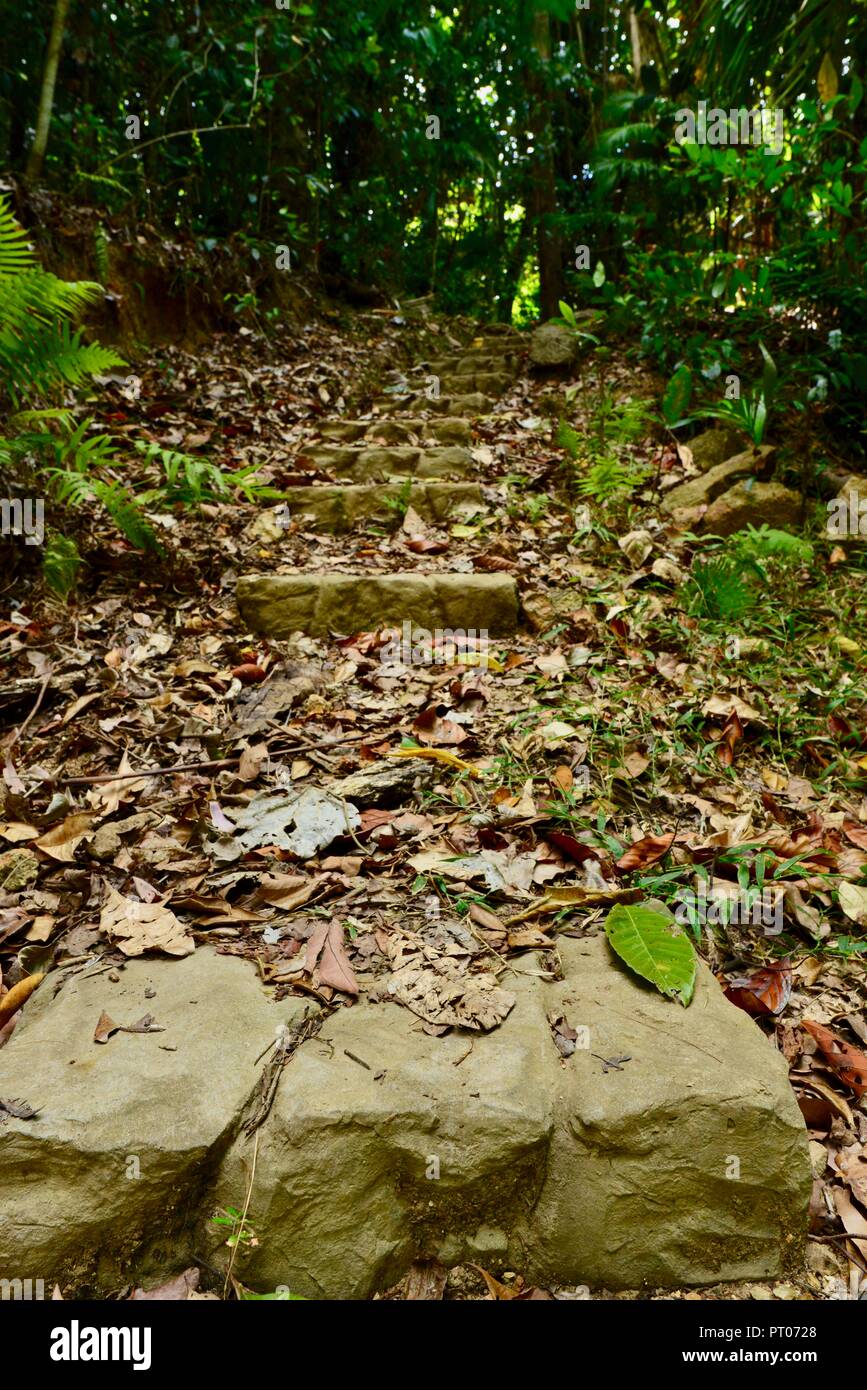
x: 16, y: 254
x: 61, y: 562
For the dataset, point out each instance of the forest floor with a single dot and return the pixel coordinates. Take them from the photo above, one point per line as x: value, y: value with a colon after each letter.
x: 697, y: 756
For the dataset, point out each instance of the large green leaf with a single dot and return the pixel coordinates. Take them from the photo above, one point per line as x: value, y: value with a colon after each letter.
x: 677, y: 395
x: 646, y: 940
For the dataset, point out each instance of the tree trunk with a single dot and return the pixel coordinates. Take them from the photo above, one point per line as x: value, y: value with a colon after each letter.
x: 544, y: 190
x: 635, y: 40
x: 46, y: 96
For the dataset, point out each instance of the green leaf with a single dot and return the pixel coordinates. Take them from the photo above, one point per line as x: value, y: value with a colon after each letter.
x: 677, y: 394
x: 599, y: 275
x: 769, y: 373
x: 644, y: 939
x: 568, y: 313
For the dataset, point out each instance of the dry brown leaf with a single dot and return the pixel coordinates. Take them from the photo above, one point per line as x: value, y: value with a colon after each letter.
x: 326, y: 956
x: 139, y: 927
x: 61, y: 841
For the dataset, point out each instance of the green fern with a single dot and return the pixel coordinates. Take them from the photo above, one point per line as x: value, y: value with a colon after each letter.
x: 192, y: 480
x: 609, y: 478
x: 100, y: 251
x: 39, y: 350
x: 16, y: 253
x: 61, y: 562
x: 569, y: 439
x: 719, y: 588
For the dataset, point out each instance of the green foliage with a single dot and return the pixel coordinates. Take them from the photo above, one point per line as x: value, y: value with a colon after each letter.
x: 39, y: 354
x: 39, y: 351
x: 191, y: 480
x: 677, y: 395
x: 100, y: 252
x: 399, y: 504
x: 765, y: 543
x: 750, y: 412
x: 61, y: 562
x: 720, y: 588
x: 647, y: 940
x: 609, y: 478
x: 569, y: 439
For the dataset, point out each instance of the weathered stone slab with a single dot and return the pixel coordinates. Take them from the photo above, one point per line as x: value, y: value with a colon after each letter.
x: 714, y: 446
x: 467, y: 406
x: 378, y: 464
x: 129, y: 1133
x: 696, y: 492
x: 753, y: 504
x: 559, y: 1169
x: 340, y: 508
x: 686, y: 1165
x: 436, y: 430
x: 498, y: 363
x: 280, y: 604
x: 463, y: 383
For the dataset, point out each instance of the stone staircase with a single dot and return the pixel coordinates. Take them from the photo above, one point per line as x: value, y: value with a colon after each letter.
x: 418, y: 438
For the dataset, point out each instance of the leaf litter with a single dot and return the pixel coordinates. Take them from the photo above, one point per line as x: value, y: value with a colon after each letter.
x: 416, y: 892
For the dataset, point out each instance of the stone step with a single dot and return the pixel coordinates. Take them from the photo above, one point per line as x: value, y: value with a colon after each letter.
x: 464, y: 383
x: 445, y: 429
x: 470, y: 406
x: 565, y: 1170
x: 317, y: 604
x: 365, y: 465
x: 481, y: 362
x: 696, y: 492
x: 340, y: 508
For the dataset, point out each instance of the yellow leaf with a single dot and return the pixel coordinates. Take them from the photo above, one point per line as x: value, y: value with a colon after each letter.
x: 827, y: 80
x: 437, y: 755
x: 483, y: 659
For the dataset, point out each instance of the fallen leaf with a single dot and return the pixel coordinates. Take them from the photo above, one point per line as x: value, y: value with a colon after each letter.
x: 766, y: 991
x: 853, y: 900
x: 848, y: 1062
x: 61, y: 841
x: 104, y: 1028
x: 648, y: 850
x: 326, y: 955
x: 139, y: 927
x: 438, y: 755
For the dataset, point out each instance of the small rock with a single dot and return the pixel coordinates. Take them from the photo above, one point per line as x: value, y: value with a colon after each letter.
x: 385, y: 783
x: 714, y: 446
x: 18, y: 868
x: 752, y: 505
x: 553, y: 345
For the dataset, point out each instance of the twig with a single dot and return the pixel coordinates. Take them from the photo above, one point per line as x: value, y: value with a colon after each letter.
x: 35, y: 710
x: 170, y: 135
x: 212, y: 766
x: 243, y: 1215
